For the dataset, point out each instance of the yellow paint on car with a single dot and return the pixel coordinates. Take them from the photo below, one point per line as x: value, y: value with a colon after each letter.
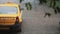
x: 9, y: 19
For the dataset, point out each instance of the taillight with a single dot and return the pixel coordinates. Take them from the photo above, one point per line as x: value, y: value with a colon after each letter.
x: 17, y: 18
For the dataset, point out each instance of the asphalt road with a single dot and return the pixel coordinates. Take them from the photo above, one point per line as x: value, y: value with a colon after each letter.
x: 35, y: 23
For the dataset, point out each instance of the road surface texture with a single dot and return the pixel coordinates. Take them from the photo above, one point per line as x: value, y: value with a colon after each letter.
x: 34, y: 21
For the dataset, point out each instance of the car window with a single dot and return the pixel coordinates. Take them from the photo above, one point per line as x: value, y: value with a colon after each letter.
x: 8, y: 10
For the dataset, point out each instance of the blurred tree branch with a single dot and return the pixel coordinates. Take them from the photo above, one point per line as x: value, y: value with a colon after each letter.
x: 42, y: 1
x: 21, y: 1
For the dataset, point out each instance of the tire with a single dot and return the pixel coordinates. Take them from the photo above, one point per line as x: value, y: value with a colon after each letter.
x: 19, y: 30
x: 16, y: 28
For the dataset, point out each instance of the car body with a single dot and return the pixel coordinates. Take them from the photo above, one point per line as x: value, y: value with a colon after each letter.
x: 10, y: 16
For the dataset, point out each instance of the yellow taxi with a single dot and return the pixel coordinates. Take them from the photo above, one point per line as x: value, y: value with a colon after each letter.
x: 10, y: 16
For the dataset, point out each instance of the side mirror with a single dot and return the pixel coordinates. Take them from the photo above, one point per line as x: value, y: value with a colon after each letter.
x: 22, y: 9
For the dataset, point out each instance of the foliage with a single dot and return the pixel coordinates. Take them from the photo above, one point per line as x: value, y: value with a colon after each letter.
x: 21, y: 1
x: 42, y: 1
x: 57, y: 10
x: 28, y: 6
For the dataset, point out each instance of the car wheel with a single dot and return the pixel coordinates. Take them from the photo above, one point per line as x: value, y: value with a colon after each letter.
x: 16, y: 28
